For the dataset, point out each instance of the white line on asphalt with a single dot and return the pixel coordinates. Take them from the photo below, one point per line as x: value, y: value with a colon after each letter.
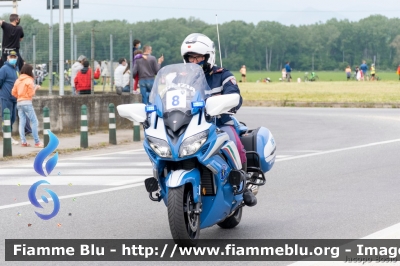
x: 339, y: 150
x: 278, y: 160
x: 86, y: 157
x: 74, y: 195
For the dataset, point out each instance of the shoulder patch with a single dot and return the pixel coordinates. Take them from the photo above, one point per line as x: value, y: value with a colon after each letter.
x: 233, y: 80
x: 218, y: 70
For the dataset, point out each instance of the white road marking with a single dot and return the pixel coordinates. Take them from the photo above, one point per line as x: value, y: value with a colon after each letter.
x: 110, y: 180
x: 73, y: 195
x: 83, y: 157
x: 283, y: 156
x: 340, y: 150
x: 278, y: 160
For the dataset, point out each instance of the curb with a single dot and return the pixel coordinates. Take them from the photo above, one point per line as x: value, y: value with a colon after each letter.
x: 319, y: 104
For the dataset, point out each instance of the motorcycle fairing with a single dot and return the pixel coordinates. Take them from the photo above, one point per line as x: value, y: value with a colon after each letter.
x: 182, y: 177
x: 232, y: 154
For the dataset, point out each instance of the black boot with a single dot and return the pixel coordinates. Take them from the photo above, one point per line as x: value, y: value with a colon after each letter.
x: 249, y: 198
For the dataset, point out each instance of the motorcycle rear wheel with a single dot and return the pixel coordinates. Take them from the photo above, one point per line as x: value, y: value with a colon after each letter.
x: 232, y: 221
x: 183, y: 222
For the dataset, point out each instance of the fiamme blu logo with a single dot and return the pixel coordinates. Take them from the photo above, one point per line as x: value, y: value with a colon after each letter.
x: 49, y: 166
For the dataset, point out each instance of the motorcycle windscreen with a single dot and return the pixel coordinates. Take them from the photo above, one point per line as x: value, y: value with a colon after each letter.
x: 178, y: 86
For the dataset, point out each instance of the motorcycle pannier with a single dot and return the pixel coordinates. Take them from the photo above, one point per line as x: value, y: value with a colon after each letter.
x: 262, y: 142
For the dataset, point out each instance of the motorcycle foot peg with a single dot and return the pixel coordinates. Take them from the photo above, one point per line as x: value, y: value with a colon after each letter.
x: 151, y: 184
x: 236, y: 177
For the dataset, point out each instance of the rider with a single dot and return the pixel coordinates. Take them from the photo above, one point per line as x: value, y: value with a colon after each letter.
x: 199, y: 49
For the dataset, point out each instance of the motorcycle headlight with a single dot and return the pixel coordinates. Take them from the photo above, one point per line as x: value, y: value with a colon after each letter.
x: 192, y: 144
x: 160, y: 147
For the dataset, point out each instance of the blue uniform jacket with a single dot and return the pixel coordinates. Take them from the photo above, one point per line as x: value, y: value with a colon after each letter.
x: 8, y: 76
x: 222, y: 81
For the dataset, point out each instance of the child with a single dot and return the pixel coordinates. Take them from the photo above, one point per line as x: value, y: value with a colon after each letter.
x: 372, y: 72
x: 348, y: 72
x: 356, y: 73
x: 283, y: 74
x: 23, y: 90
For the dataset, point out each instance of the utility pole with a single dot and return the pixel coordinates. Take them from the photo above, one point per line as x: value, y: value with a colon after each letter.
x: 61, y: 49
x: 131, y: 59
x: 50, y: 73
x: 15, y: 7
x: 72, y: 35
x: 92, y: 63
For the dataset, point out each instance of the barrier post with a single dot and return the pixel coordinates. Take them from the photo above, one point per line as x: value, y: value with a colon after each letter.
x: 136, y: 131
x: 7, y: 148
x: 46, y: 125
x: 84, y: 127
x: 112, y: 129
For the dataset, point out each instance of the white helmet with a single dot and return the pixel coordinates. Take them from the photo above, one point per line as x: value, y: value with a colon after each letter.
x: 197, y: 43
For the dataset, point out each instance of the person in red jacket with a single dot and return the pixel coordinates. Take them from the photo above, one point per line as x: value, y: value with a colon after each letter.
x: 398, y: 71
x: 83, y: 80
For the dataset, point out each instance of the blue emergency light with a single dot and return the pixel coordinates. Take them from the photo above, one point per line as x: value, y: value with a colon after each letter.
x: 198, y: 104
x: 151, y: 108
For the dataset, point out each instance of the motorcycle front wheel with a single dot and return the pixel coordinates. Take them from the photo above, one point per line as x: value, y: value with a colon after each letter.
x: 183, y: 222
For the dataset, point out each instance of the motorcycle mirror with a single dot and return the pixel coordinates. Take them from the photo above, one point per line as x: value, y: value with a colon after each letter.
x: 220, y: 104
x: 135, y: 112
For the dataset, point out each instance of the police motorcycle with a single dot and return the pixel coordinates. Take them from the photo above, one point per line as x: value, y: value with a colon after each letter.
x: 197, y: 169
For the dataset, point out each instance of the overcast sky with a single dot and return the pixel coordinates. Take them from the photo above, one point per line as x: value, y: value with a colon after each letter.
x: 284, y: 11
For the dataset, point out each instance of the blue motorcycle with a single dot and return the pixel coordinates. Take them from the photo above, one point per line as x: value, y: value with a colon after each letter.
x: 197, y: 169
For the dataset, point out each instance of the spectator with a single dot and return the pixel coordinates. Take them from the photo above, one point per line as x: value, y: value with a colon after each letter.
x: 125, y: 79
x: 356, y: 72
x: 147, y: 67
x: 360, y: 75
x: 105, y: 72
x: 348, y: 72
x: 136, y: 46
x: 372, y: 72
x: 12, y: 36
x: 243, y: 72
x: 288, y: 71
x: 364, y: 69
x: 398, y: 71
x: 39, y: 75
x: 83, y: 80
x: 8, y: 76
x: 119, y: 74
x: 137, y: 55
x: 76, y: 67
x: 96, y: 75
x: 23, y: 90
x: 283, y: 74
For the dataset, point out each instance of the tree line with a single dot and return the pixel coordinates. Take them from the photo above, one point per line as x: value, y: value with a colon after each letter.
x: 266, y: 45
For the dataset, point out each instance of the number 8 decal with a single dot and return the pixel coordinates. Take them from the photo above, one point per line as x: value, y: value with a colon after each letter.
x: 175, y: 100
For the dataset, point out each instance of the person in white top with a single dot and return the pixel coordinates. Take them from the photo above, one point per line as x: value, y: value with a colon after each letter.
x: 125, y: 79
x: 118, y: 75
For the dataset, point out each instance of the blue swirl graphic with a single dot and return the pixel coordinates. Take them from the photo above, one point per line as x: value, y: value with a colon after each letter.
x: 35, y: 202
x: 51, y: 163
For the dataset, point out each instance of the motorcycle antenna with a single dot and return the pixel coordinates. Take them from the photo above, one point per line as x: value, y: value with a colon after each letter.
x: 219, y: 44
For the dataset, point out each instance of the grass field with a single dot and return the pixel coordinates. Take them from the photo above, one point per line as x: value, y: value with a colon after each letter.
x: 385, y: 91
x: 370, y: 92
x: 253, y: 76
